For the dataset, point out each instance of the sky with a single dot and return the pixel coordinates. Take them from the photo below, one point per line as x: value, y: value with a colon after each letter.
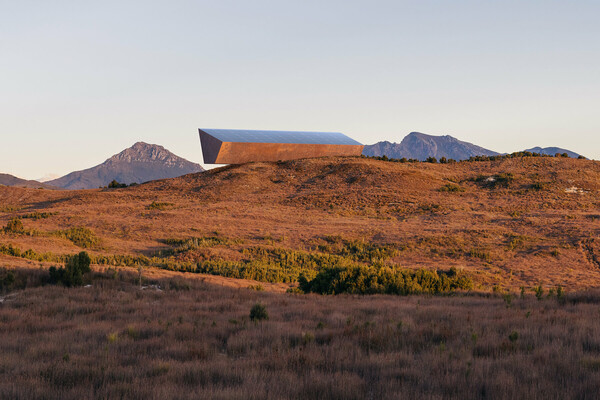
x: 83, y: 80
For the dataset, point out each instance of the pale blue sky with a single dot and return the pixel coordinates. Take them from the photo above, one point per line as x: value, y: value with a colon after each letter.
x: 82, y: 80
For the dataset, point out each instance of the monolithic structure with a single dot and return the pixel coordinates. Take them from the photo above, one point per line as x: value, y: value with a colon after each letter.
x: 228, y: 146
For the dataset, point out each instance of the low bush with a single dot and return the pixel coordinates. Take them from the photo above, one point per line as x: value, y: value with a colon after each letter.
x: 38, y: 215
x: 116, y: 185
x: 155, y: 205
x: 385, y: 280
x: 72, y: 274
x: 258, y: 312
x: 81, y: 236
x: 14, y: 226
x: 451, y: 188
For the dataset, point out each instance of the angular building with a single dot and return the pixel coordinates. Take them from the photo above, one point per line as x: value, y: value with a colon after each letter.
x: 228, y: 146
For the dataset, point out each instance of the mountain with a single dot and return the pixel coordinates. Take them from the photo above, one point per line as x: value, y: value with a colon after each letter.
x: 551, y: 151
x: 421, y: 146
x: 9, y: 180
x: 48, y: 177
x: 142, y: 162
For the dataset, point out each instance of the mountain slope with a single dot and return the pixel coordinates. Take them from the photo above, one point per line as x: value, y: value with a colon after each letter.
x: 142, y: 162
x: 10, y: 180
x: 553, y: 151
x: 421, y: 146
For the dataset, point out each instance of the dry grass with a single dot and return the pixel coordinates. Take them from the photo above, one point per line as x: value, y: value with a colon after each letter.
x: 190, y: 335
x: 293, y: 205
x: 185, y: 338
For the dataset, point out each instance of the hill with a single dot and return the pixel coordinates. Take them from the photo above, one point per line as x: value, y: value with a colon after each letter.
x: 551, y: 151
x: 140, y: 163
x: 511, y: 222
x: 10, y: 180
x: 420, y: 146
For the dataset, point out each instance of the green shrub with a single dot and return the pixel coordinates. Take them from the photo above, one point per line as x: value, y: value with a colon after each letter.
x: 72, y: 274
x: 7, y: 279
x: 539, y: 292
x: 258, y: 312
x: 14, y: 226
x: 361, y: 279
x: 452, y: 188
x: 155, y: 205
x: 116, y: 185
x: 81, y: 236
x: 496, y: 181
x: 38, y: 215
x: 514, y: 335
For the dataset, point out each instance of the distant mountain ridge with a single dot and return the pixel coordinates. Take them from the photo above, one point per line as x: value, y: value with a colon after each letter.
x: 140, y: 163
x: 551, y: 151
x: 10, y: 180
x: 420, y: 146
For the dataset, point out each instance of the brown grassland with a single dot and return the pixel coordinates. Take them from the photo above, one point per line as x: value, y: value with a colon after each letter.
x: 512, y: 226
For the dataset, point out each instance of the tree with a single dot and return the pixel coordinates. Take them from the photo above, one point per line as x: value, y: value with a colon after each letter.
x: 116, y: 185
x: 72, y: 274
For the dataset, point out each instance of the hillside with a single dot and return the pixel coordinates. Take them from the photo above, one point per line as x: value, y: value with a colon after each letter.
x: 10, y: 180
x: 140, y: 163
x: 420, y: 146
x: 511, y: 222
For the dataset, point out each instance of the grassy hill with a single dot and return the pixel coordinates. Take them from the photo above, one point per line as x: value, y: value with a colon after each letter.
x: 507, y: 223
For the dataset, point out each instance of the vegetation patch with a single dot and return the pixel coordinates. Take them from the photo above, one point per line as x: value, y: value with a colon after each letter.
x: 14, y: 226
x: 384, y: 280
x: 502, y: 180
x: 81, y: 236
x: 451, y: 188
x: 9, y: 209
x: 38, y: 215
x: 357, y: 250
x: 161, y: 206
x: 72, y: 273
x: 190, y: 244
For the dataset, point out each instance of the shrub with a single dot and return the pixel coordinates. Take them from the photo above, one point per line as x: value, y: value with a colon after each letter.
x: 72, y: 274
x: 38, y: 215
x: 82, y: 237
x: 116, y: 185
x: 7, y: 279
x: 361, y: 279
x: 155, y: 205
x: 452, y: 188
x: 514, y: 335
x: 258, y: 312
x: 14, y: 226
x: 258, y: 287
x: 539, y: 292
x: 496, y: 181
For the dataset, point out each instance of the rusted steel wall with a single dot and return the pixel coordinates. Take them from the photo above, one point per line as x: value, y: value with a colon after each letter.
x: 237, y: 153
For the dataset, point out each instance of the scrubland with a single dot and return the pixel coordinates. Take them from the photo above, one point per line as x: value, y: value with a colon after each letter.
x: 184, y: 338
x: 469, y: 280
